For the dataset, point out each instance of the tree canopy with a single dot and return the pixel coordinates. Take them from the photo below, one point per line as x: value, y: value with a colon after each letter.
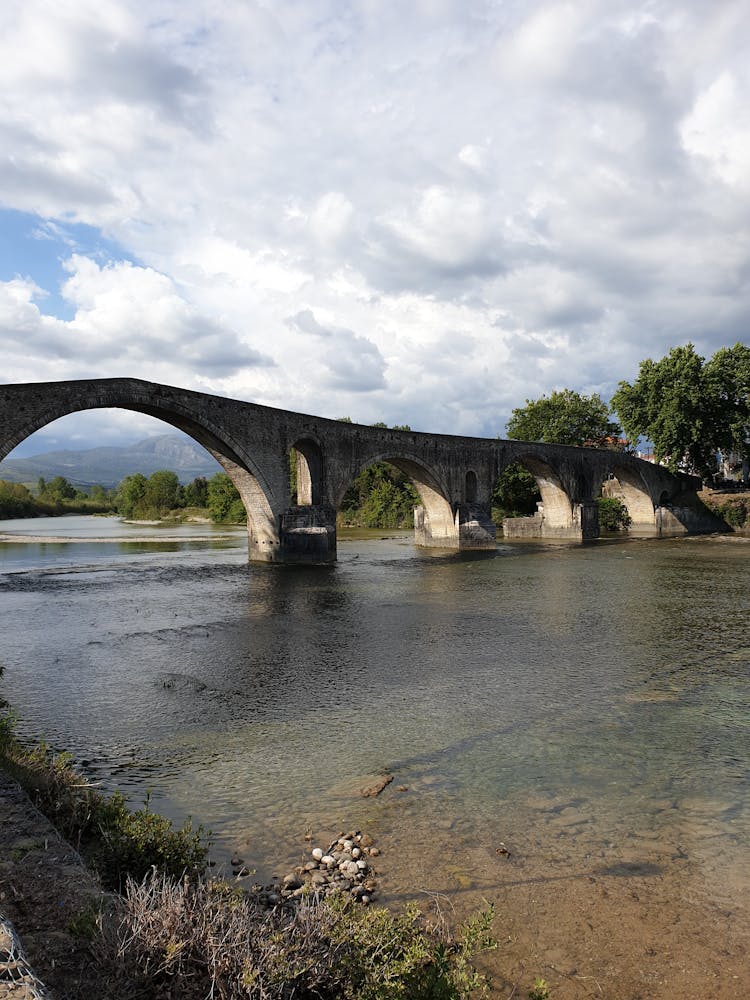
x: 564, y: 417
x: 689, y: 409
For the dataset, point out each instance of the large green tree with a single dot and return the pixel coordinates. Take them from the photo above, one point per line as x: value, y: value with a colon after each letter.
x: 130, y: 493
x: 564, y: 417
x: 162, y: 492
x: 689, y: 409
x: 728, y: 374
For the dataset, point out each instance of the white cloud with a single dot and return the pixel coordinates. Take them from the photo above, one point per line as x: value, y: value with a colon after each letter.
x: 718, y: 130
x: 459, y: 206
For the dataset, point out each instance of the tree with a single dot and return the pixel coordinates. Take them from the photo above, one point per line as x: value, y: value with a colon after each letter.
x: 195, y: 494
x: 56, y: 490
x: 516, y: 493
x: 674, y: 403
x: 130, y: 493
x: 162, y: 492
x: 224, y: 502
x: 565, y: 417
x: 15, y: 500
x: 728, y: 375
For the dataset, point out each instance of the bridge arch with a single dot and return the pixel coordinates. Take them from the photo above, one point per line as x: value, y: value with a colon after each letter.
x: 218, y: 441
x: 434, y: 521
x: 310, y: 471
x: 557, y: 504
x: 626, y: 485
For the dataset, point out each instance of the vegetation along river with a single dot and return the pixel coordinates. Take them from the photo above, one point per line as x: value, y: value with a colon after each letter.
x: 567, y: 725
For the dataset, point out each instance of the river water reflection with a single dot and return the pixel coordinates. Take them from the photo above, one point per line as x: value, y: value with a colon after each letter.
x: 587, y: 702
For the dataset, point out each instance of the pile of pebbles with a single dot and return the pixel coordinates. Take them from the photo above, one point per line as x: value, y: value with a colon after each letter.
x: 346, y: 867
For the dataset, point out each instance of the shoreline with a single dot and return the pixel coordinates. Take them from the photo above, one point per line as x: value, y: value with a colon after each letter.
x: 7, y: 537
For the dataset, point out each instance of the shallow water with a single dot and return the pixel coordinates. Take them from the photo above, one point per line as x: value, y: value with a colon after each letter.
x: 588, y: 702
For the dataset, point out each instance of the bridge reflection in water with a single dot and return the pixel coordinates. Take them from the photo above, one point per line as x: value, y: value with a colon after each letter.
x: 454, y: 476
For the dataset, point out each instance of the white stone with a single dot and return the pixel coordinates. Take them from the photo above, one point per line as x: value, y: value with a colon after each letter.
x: 317, y: 853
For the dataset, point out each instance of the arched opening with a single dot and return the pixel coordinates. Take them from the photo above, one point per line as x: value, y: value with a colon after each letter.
x: 306, y: 473
x: 471, y: 486
x: 515, y: 494
x: 148, y: 446
x: 380, y: 496
x: 553, y: 513
x: 626, y: 487
x: 395, y: 491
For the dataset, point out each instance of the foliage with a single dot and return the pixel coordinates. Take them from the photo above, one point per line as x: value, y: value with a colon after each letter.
x: 728, y: 375
x: 516, y: 493
x: 57, y: 497
x: 162, y: 492
x: 129, y: 844
x: 670, y: 403
x: 209, y: 939
x: 690, y: 409
x: 613, y: 514
x: 224, y: 502
x: 381, y: 496
x: 15, y: 500
x: 130, y: 495
x: 539, y: 991
x: 56, y: 490
x: 564, y: 417
x: 195, y: 494
x: 734, y: 510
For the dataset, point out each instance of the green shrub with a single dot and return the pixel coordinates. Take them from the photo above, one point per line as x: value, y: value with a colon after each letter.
x: 119, y: 843
x: 613, y: 514
x: 539, y: 991
x: 129, y: 844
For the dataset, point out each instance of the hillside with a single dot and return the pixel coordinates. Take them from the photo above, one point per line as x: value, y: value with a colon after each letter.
x: 109, y: 465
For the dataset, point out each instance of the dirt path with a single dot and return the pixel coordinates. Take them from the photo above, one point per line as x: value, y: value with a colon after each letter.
x: 51, y: 898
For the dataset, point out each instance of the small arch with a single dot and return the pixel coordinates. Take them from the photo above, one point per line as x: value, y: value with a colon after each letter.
x: 309, y: 466
x: 437, y: 524
x: 627, y: 486
x: 471, y: 486
x: 557, y: 505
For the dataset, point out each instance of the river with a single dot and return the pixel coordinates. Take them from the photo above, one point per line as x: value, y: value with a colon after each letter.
x: 583, y: 707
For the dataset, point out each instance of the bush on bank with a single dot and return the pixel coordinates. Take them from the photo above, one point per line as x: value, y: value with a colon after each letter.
x: 118, y: 843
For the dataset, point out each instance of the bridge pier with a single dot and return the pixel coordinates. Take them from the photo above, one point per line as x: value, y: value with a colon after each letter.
x: 307, y: 534
x: 470, y: 529
x: 582, y: 525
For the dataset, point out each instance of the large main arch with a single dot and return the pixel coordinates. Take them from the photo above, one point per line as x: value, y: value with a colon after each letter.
x: 218, y: 441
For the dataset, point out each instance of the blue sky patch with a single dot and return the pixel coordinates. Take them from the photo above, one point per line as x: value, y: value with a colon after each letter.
x: 35, y: 248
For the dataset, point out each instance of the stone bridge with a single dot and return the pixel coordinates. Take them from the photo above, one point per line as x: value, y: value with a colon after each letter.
x: 454, y: 476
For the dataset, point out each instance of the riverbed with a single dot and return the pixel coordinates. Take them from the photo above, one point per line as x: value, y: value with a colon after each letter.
x: 567, y: 725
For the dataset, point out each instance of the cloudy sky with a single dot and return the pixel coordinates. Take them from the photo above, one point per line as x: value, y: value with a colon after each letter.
x: 421, y: 212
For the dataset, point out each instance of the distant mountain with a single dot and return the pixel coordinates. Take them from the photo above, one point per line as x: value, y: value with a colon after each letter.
x: 108, y: 466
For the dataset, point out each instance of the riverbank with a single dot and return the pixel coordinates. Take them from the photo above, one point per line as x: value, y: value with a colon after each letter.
x: 624, y: 932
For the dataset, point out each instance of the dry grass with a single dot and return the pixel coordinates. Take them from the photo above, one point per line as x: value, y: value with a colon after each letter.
x: 210, y: 939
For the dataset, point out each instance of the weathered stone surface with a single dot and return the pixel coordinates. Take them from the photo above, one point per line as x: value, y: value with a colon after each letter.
x: 453, y: 475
